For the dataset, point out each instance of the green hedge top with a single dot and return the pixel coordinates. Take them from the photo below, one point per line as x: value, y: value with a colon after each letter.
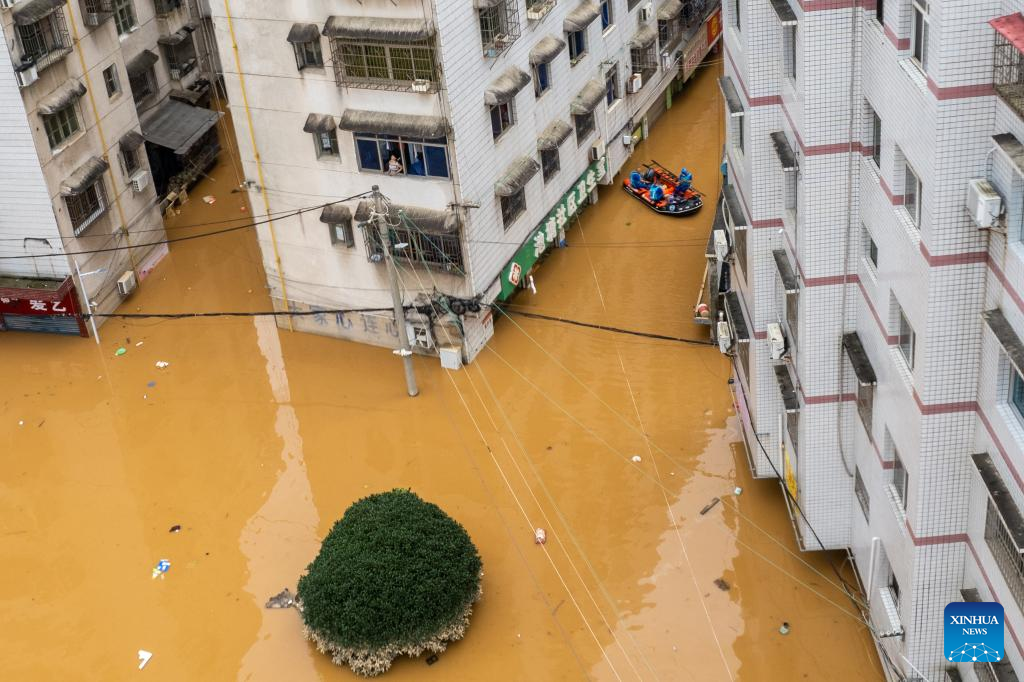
x: 395, y: 570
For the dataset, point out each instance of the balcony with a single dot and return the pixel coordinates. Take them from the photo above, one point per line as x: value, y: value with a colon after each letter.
x: 42, y: 32
x: 95, y: 12
x: 383, y: 54
x: 1008, y: 60
x: 499, y: 25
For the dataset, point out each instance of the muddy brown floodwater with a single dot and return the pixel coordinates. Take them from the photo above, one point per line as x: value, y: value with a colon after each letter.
x: 255, y: 440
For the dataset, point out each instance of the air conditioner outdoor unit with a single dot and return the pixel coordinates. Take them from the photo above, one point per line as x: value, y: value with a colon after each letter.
x: 597, y: 150
x: 140, y: 180
x: 421, y: 85
x: 645, y: 12
x: 983, y: 202
x: 776, y: 341
x: 126, y: 283
x: 627, y: 140
x: 721, y: 245
x: 419, y: 337
x: 27, y: 74
x: 539, y: 10
x: 451, y: 357
x: 724, y: 336
x: 635, y: 82
x: 175, y: 74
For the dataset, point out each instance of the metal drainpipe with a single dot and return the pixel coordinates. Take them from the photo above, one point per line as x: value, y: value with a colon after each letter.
x: 259, y: 163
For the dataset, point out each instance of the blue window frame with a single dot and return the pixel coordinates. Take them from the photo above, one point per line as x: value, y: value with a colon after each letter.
x: 542, y: 79
x: 606, y: 14
x: 1017, y: 392
x: 414, y: 156
x: 577, y: 45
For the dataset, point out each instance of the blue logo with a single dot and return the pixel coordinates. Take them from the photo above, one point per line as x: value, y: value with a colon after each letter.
x: 973, y: 632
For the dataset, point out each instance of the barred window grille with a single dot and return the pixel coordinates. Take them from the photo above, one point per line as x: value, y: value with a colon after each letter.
x: 512, y: 207
x: 97, y: 6
x: 443, y: 251
x: 1008, y: 73
x: 181, y: 58
x: 380, y: 65
x: 499, y: 26
x: 644, y: 60
x: 549, y: 163
x: 45, y: 41
x: 124, y: 16
x: 862, y: 494
x: 85, y: 208
x: 1006, y: 552
x: 669, y: 33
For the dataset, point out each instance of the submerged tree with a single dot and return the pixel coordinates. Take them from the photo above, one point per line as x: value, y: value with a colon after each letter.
x: 396, y: 575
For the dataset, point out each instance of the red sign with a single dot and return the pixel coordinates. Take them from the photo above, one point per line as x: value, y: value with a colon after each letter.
x: 53, y: 302
x: 515, y: 273
x: 35, y: 306
x: 714, y: 27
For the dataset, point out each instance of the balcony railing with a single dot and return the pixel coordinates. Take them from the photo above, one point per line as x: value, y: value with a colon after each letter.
x: 1008, y: 61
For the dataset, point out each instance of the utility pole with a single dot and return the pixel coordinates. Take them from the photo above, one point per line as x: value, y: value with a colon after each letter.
x: 403, y: 350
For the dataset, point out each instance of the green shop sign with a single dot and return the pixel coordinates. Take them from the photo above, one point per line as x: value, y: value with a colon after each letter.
x: 541, y: 239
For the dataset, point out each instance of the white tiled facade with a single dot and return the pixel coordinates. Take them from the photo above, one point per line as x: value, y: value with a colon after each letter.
x: 316, y: 273
x: 953, y: 401
x: 34, y: 216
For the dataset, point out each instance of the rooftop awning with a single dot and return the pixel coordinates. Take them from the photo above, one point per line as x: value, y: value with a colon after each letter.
x: 61, y: 98
x: 1010, y: 27
x: 387, y: 123
x: 554, y: 135
x: 427, y: 219
x: 784, y: 12
x: 787, y: 157
x: 1001, y: 498
x: 178, y: 126
x: 303, y: 33
x: 859, y: 359
x: 588, y: 98
x: 579, y: 18
x: 319, y: 123
x: 141, y: 63
x: 735, y: 207
x: 26, y: 13
x: 546, y: 49
x: 505, y: 87
x: 176, y: 38
x: 787, y: 390
x: 732, y: 98
x: 84, y: 177
x: 644, y: 37
x: 1011, y: 146
x: 786, y: 274
x: 737, y: 320
x: 334, y: 214
x: 515, y: 176
x: 1006, y: 337
x: 669, y: 10
x: 191, y: 97
x: 378, y: 28
x: 131, y: 140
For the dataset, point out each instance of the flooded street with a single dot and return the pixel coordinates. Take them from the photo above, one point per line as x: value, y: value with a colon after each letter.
x: 255, y: 440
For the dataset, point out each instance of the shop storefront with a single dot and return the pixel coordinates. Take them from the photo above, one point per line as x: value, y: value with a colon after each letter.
x: 40, y: 305
x: 698, y: 47
x: 516, y: 274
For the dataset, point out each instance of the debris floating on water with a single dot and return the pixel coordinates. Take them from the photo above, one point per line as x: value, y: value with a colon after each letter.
x: 161, y: 568
x: 120, y: 351
x: 540, y: 536
x: 151, y: 384
x: 161, y: 364
x: 282, y: 600
x: 138, y: 344
x: 636, y: 458
x: 210, y: 199
x: 737, y: 490
x: 784, y: 628
x: 175, y: 528
x: 431, y: 659
x: 722, y: 584
x: 709, y: 506
x: 144, y: 657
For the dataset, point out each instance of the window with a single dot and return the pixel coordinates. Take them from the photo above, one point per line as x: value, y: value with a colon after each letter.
x: 130, y: 160
x: 919, y: 34
x: 376, y: 64
x: 862, y: 494
x: 866, y: 406
x: 880, y: 11
x: 143, y: 85
x: 341, y: 233
x: 789, y: 51
x: 181, y: 58
x: 793, y: 315
x: 549, y: 163
x: 499, y: 26
x: 45, y: 41
x: 308, y: 55
x: 1009, y: 557
x: 124, y: 16
x: 415, y: 156
x: 443, y: 251
x: 912, y: 191
x: 906, y: 339
x: 611, y: 86
x: 85, y: 208
x: 792, y: 195
x: 739, y: 238
x: 644, y: 61
x: 876, y: 138
x: 738, y: 133
x: 899, y: 478
x: 111, y: 80
x: 61, y: 126
x: 606, y: 14
x: 541, y: 79
x: 512, y: 207
x: 502, y: 118
x: 584, y: 126
x: 1017, y: 392
x: 326, y: 143
x: 870, y: 248
x: 736, y: 7
x: 577, y: 45
x: 894, y: 589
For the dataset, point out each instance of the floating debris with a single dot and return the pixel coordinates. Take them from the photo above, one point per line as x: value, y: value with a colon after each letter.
x: 784, y: 628
x: 737, y: 490
x: 540, y: 536
x: 636, y: 458
x: 282, y: 600
x: 210, y: 199
x: 176, y: 528
x: 709, y: 506
x: 151, y: 384
x: 120, y: 351
x: 722, y: 584
x: 161, y: 364
x: 431, y: 659
x: 144, y: 657
x: 21, y: 422
x: 161, y: 568
x: 138, y: 344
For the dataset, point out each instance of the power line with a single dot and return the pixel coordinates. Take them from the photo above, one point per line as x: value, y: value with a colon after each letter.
x: 602, y: 327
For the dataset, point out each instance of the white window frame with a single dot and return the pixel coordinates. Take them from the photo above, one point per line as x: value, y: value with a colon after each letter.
x: 919, y: 36
x: 911, y: 180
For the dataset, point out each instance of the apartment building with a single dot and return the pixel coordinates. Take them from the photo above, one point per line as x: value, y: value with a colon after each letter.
x: 487, y: 125
x: 874, y: 312
x: 92, y: 92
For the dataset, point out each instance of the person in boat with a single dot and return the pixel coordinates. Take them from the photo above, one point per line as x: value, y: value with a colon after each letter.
x: 684, y: 182
x: 636, y: 181
x: 656, y: 193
